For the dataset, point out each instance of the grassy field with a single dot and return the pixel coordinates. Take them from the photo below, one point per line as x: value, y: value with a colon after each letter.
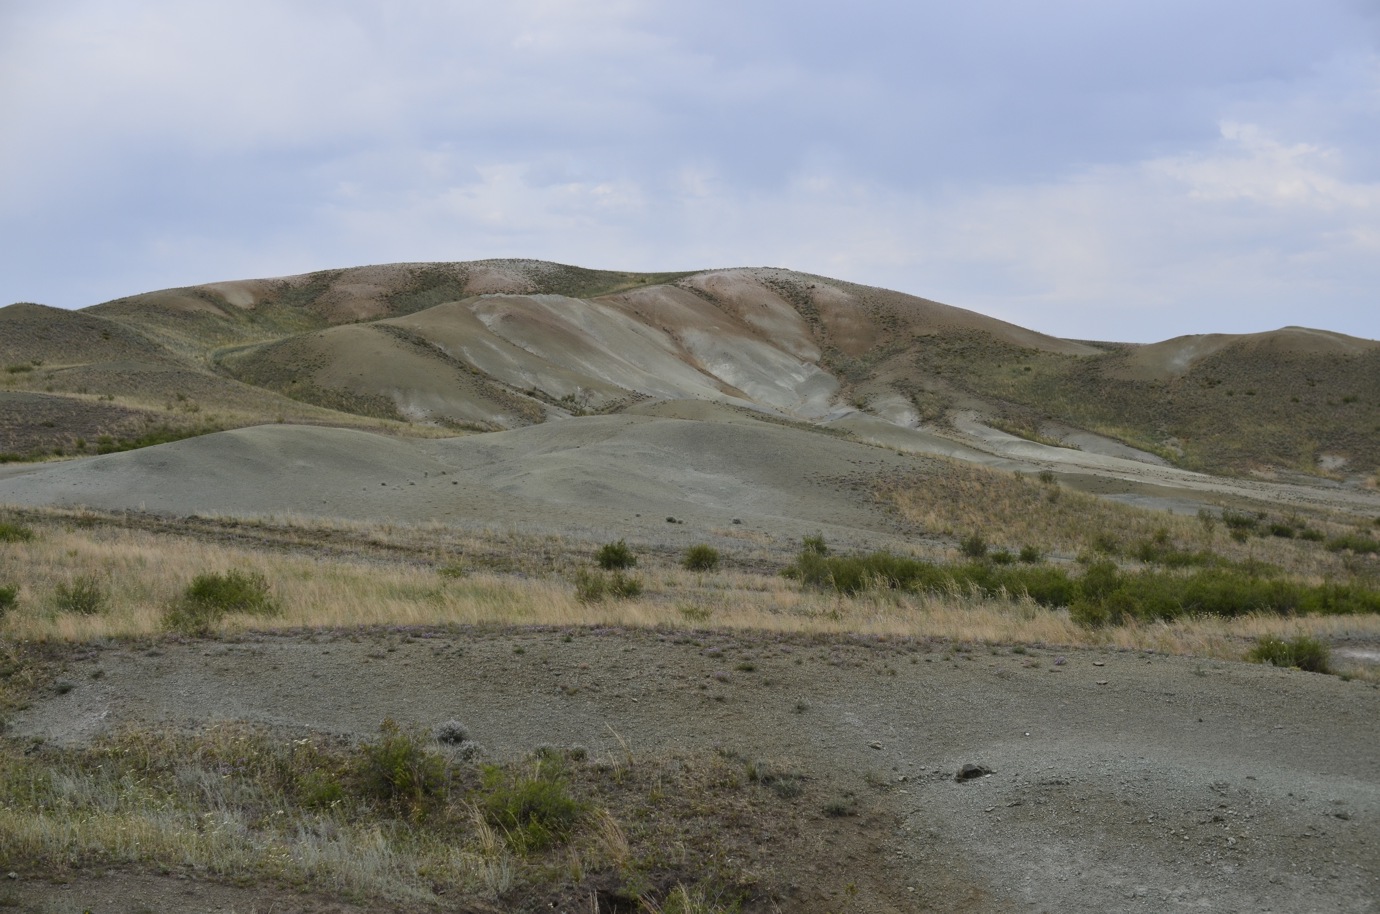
x: 333, y: 575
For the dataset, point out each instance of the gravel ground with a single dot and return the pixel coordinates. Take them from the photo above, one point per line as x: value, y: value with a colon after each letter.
x: 1119, y: 781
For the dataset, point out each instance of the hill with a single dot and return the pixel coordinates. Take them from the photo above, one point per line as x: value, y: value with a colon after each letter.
x: 487, y: 345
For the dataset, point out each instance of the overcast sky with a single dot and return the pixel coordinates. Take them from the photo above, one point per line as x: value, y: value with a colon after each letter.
x: 1090, y: 168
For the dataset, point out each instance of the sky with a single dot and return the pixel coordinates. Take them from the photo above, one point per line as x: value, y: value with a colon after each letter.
x: 1095, y: 169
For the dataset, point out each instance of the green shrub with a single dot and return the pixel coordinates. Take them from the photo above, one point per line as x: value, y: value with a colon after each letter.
x: 701, y: 558
x: 815, y: 544
x: 400, y: 771
x: 594, y: 586
x: 1302, y: 652
x: 1001, y: 557
x: 232, y: 592
x: 1358, y: 543
x: 974, y: 546
x: 1106, y: 544
x: 1162, y: 552
x: 210, y: 597
x: 615, y: 555
x: 534, y: 808
x: 14, y: 533
x: 1238, y: 522
x: 9, y: 596
x: 1031, y: 555
x: 84, y: 595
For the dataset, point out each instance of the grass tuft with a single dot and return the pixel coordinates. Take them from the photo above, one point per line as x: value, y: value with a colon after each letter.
x: 14, y: 533
x: 1301, y: 652
x: 84, y: 595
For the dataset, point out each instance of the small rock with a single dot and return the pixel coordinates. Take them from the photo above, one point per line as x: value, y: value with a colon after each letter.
x: 875, y: 745
x: 1059, y: 661
x: 1102, y: 682
x: 969, y: 772
x: 11, y: 875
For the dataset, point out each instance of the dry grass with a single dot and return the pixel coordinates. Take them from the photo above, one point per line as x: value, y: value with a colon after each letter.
x: 145, y: 572
x: 1011, y: 510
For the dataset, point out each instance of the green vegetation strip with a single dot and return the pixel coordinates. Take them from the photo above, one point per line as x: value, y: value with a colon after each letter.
x: 1103, y: 594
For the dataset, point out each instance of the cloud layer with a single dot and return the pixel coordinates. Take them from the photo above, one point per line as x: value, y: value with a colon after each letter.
x: 1114, y: 171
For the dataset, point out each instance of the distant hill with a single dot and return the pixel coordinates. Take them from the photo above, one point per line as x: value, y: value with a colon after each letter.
x: 431, y: 348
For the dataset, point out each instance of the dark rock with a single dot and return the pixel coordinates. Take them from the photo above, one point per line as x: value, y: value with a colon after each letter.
x: 969, y: 772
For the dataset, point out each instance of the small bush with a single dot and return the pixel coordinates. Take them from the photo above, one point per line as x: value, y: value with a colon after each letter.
x: 814, y: 545
x: 211, y: 597
x: 534, y: 809
x: 1302, y: 652
x: 1358, y: 543
x: 84, y: 595
x: 594, y: 586
x: 14, y: 533
x: 233, y: 592
x: 1240, y: 523
x: 1031, y: 555
x: 9, y: 596
x: 701, y: 558
x: 400, y: 772
x: 1001, y: 557
x: 615, y: 555
x: 973, y: 546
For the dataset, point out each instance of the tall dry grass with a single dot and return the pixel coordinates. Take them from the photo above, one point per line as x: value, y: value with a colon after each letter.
x: 145, y: 572
x: 1012, y: 510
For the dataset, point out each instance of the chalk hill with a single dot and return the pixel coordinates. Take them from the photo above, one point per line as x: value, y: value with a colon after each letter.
x: 436, y: 348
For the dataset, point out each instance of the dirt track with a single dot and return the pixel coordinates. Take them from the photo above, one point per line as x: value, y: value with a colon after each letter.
x: 1120, y: 781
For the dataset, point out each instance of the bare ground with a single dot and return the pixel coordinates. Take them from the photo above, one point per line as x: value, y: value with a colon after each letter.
x: 1120, y: 781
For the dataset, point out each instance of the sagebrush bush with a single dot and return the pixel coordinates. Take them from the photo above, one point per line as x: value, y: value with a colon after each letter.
x: 615, y: 555
x: 534, y: 808
x: 1303, y: 652
x: 212, y: 596
x: 9, y: 596
x: 400, y: 771
x: 815, y: 544
x: 974, y: 546
x: 701, y: 558
x: 84, y: 595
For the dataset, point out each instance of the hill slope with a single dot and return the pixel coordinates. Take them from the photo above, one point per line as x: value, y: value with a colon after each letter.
x: 491, y: 345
